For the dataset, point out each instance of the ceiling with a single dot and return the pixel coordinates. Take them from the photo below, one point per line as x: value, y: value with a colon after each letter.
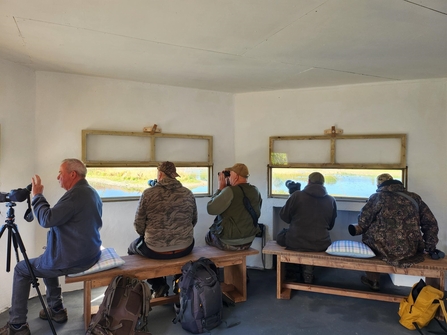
x: 230, y: 45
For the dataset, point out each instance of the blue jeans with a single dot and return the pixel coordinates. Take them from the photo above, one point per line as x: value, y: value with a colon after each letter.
x: 22, y: 285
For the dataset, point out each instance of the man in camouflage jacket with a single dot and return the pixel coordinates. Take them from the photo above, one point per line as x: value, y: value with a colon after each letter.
x: 165, y: 221
x: 397, y: 225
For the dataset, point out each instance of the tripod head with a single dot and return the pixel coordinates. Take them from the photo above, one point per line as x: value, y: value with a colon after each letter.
x: 10, y: 216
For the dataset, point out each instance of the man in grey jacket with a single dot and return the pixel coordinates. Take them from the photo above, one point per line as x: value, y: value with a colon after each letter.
x: 165, y: 218
x: 311, y: 214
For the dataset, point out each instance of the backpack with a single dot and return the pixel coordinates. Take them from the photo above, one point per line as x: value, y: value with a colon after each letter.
x: 420, y: 307
x: 124, y: 309
x: 200, y: 308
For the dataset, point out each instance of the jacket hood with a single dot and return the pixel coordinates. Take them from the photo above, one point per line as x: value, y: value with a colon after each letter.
x: 391, y: 186
x: 315, y: 190
x: 169, y: 183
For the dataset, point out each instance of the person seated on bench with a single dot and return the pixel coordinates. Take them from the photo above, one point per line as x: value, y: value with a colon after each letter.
x: 397, y: 225
x: 311, y: 213
x: 73, y: 244
x: 165, y: 220
x: 233, y: 227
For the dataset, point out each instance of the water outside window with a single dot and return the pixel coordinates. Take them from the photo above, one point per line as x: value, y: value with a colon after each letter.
x: 131, y: 182
x: 350, y: 183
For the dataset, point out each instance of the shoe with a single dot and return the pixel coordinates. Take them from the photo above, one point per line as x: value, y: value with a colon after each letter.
x: 175, y: 287
x: 10, y: 330
x: 161, y: 291
x: 308, y: 278
x: 60, y: 317
x: 307, y: 271
x: 372, y: 284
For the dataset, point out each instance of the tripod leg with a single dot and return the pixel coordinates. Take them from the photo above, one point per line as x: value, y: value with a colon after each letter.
x: 8, y: 256
x: 18, y: 241
x: 14, y: 244
x: 8, y: 250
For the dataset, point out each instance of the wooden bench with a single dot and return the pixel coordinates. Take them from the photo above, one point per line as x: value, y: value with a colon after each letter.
x: 234, y: 285
x: 433, y: 270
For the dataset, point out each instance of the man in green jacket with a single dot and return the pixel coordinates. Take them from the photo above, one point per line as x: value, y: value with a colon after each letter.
x: 234, y: 227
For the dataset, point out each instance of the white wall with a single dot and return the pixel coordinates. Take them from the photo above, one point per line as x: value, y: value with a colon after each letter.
x: 17, y: 96
x: 415, y: 108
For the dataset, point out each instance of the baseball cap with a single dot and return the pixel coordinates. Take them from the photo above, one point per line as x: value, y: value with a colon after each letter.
x: 168, y: 168
x: 383, y: 177
x: 240, y: 169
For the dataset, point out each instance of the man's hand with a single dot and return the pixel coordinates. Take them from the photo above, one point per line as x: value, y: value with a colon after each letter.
x: 436, y: 254
x: 37, y: 185
x: 222, y: 181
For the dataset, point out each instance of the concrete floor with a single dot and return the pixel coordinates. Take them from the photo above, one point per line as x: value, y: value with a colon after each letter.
x: 262, y: 313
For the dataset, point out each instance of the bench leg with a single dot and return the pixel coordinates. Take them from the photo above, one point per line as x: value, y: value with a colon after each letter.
x: 87, y: 303
x: 280, y: 276
x: 235, y: 278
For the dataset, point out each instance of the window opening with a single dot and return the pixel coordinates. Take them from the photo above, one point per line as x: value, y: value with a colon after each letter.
x: 350, y: 163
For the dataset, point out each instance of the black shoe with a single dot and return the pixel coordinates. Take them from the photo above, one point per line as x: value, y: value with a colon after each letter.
x: 372, y: 284
x: 308, y: 278
x: 160, y: 291
x: 307, y: 271
x: 175, y: 285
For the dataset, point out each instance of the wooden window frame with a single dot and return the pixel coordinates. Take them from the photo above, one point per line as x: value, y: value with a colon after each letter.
x: 151, y: 162
x: 333, y: 164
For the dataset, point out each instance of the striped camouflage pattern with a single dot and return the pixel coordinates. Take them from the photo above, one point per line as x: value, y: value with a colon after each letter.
x: 166, y: 216
x: 393, y: 227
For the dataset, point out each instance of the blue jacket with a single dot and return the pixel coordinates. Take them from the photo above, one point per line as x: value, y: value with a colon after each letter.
x: 73, y: 239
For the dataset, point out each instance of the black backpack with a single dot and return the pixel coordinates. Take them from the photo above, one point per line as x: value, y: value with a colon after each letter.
x: 200, y: 308
x: 124, y: 309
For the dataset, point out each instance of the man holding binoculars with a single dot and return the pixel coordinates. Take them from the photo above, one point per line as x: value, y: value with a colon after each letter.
x: 235, y: 226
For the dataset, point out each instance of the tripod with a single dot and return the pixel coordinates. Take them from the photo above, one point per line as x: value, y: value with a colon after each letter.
x: 14, y: 237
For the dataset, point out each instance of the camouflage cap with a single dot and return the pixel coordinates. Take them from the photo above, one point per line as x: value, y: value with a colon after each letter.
x: 168, y: 168
x: 240, y: 169
x: 316, y: 178
x: 383, y: 177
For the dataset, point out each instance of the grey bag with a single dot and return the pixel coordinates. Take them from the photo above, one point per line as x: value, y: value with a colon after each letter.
x: 201, y: 305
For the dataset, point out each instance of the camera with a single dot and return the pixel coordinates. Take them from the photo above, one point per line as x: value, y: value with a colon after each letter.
x: 226, y: 173
x: 18, y: 195
x: 293, y: 186
x: 152, y: 182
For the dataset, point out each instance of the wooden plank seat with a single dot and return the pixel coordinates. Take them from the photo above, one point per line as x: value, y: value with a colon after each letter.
x: 433, y: 270
x: 234, y: 284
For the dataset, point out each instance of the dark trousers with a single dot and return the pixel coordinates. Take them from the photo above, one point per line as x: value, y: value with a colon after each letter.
x: 139, y: 247
x: 305, y: 270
